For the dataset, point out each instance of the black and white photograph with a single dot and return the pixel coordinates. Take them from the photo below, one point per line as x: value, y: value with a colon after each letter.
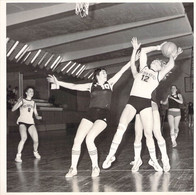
x: 99, y: 97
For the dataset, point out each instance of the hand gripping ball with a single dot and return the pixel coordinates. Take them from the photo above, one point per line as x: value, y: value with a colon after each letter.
x: 169, y: 49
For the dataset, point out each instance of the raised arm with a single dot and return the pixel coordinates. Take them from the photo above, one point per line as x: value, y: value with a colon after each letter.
x: 17, y: 105
x: 170, y: 65
x: 72, y: 86
x: 134, y: 56
x: 144, y: 51
x: 117, y: 76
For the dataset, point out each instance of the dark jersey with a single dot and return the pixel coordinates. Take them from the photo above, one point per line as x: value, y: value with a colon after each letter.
x: 100, y: 96
x: 173, y: 103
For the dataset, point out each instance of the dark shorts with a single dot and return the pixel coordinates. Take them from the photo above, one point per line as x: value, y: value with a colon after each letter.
x: 25, y: 124
x: 94, y: 114
x: 139, y: 103
x: 174, y: 113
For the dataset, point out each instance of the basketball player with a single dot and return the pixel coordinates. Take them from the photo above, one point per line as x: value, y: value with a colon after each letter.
x: 156, y: 131
x: 26, y: 122
x: 145, y: 82
x: 95, y: 120
x: 174, y: 114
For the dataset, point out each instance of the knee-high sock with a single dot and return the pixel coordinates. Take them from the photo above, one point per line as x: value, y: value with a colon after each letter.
x: 152, y: 153
x: 137, y: 151
x: 117, y: 139
x: 94, y: 157
x: 74, y: 158
x: 162, y: 147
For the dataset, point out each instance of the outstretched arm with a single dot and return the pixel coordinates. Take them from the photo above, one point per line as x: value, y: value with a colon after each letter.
x: 72, y: 86
x: 117, y: 76
x: 135, y: 56
x: 144, y: 51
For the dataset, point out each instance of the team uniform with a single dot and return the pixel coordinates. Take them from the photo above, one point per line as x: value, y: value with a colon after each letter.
x: 145, y: 82
x: 174, y: 104
x: 100, y: 102
x: 26, y: 113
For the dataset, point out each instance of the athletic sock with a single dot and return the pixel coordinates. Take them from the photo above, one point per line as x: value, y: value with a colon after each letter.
x: 162, y: 147
x: 152, y: 153
x: 137, y: 151
x: 74, y: 158
x: 94, y: 157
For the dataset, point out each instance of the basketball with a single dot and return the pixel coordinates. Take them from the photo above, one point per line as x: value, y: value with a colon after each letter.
x: 169, y: 49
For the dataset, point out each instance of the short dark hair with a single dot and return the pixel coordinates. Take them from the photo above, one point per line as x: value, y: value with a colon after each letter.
x: 26, y: 89
x: 96, y: 72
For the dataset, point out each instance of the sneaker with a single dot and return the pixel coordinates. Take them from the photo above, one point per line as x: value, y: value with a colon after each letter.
x: 166, y: 165
x: 108, y: 162
x: 95, y: 172
x: 137, y: 164
x: 72, y: 172
x: 18, y: 158
x: 156, y: 165
x: 37, y: 155
x: 174, y: 144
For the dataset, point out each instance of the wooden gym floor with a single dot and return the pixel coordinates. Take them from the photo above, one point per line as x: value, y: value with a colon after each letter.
x: 47, y: 174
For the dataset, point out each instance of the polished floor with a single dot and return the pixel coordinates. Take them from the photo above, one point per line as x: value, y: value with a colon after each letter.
x: 47, y: 174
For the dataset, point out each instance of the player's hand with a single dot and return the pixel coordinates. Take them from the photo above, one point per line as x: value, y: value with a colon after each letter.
x: 52, y: 79
x: 161, y: 45
x: 135, y: 43
x: 39, y: 117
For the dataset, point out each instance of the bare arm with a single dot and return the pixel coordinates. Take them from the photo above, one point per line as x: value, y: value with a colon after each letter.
x: 170, y: 65
x: 134, y: 56
x: 17, y: 105
x: 164, y: 102
x: 117, y: 76
x: 144, y: 51
x: 180, y: 100
x: 36, y: 114
x: 72, y: 86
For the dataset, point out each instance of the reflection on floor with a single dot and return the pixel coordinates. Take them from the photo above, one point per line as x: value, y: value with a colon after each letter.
x: 47, y: 174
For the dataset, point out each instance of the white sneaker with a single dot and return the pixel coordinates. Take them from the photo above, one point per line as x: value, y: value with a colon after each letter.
x: 95, y: 172
x: 166, y: 165
x: 108, y: 162
x: 37, y: 155
x: 72, y: 172
x: 156, y: 165
x: 18, y: 158
x: 137, y: 164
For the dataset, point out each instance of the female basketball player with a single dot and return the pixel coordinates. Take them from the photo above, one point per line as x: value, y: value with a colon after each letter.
x: 95, y: 120
x: 174, y: 114
x: 26, y: 122
x: 156, y: 131
x: 145, y: 82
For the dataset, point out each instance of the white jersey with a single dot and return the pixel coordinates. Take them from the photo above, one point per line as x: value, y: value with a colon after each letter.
x: 145, y: 82
x: 26, y: 112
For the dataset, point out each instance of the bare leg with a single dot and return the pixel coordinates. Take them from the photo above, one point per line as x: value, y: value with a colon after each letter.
x: 97, y: 128
x: 172, y: 129
x: 83, y: 129
x: 126, y: 117
x: 147, y: 121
